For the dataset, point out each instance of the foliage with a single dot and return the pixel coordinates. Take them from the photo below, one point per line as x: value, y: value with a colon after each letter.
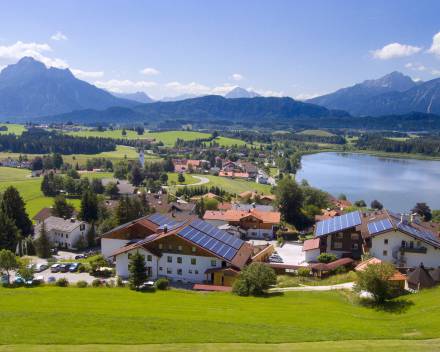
x: 8, y: 262
x: 130, y: 208
x: 89, y: 207
x: 290, y: 200
x: 9, y: 233
x: 423, y: 210
x: 82, y: 284
x: 13, y: 207
x: 138, y: 271
x: 375, y: 204
x: 326, y: 258
x: 96, y: 283
x: 112, y: 190
x: 375, y: 279
x: 62, y: 282
x: 360, y: 203
x: 180, y: 178
x: 61, y: 207
x: 42, y: 243
x: 254, y: 280
x: 91, y: 235
x: 304, y: 272
x: 162, y: 283
x: 97, y: 262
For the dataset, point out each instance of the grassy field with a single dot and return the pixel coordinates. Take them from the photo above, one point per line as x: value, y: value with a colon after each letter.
x: 13, y: 128
x: 228, y: 142
x: 172, y: 179
x: 319, y: 133
x: 294, y: 281
x: 72, y: 316
x: 29, y: 188
x: 236, y: 185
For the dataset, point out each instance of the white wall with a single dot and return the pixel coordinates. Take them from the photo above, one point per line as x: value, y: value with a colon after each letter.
x: 312, y: 255
x: 260, y: 233
x: 109, y: 245
x: 430, y: 259
x: 69, y: 239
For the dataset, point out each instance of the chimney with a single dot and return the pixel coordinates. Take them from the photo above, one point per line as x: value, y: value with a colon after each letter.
x: 72, y: 219
x: 411, y: 218
x: 165, y: 228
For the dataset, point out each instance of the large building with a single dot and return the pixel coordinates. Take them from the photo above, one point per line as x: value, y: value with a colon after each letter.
x: 191, y: 251
x: 404, y: 241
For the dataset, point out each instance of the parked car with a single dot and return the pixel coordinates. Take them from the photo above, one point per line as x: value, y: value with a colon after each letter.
x: 79, y: 256
x: 74, y: 267
x: 19, y: 280
x: 64, y: 268
x: 40, y: 267
x: 51, y: 279
x: 148, y: 285
x: 4, y: 279
x: 54, y: 251
x: 55, y: 268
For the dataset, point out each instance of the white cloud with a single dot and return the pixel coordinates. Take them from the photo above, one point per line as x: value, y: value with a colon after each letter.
x: 86, y: 74
x: 269, y: 93
x: 395, y: 50
x: 416, y: 66
x: 435, y: 47
x: 2, y: 67
x: 150, y: 71
x: 188, y: 88
x: 58, y: 36
x: 306, y: 96
x: 19, y: 49
x: 436, y: 72
x: 126, y: 85
x: 237, y: 77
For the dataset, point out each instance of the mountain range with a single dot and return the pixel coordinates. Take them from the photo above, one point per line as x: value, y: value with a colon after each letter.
x: 239, y: 92
x: 140, y: 97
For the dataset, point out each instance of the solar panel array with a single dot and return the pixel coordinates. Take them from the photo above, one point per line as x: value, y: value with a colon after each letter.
x: 379, y: 226
x: 211, y: 238
x: 423, y: 235
x: 159, y: 219
x: 338, y: 223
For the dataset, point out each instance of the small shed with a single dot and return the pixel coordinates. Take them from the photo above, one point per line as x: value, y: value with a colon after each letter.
x: 420, y: 278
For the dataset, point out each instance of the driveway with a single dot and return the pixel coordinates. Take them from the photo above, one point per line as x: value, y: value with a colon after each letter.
x: 344, y: 286
x: 292, y: 253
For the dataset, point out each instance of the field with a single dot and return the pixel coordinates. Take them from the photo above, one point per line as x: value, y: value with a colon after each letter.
x: 236, y: 185
x: 120, y: 316
x: 319, y: 133
x: 172, y: 179
x: 29, y: 188
x: 13, y: 128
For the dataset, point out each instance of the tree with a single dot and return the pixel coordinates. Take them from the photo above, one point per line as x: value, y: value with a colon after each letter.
x: 375, y: 279
x: 138, y: 271
x: 375, y: 204
x: 9, y: 233
x: 89, y: 206
x: 136, y: 175
x: 360, y: 203
x: 14, y: 208
x: 42, y: 243
x: 8, y: 262
x: 124, y: 132
x: 37, y: 164
x: 97, y: 186
x: 91, y: 235
x: 61, y: 207
x: 163, y: 178
x: 128, y: 209
x: 254, y: 280
x: 200, y: 208
x: 423, y: 210
x: 140, y: 130
x: 290, y: 199
x: 180, y: 178
x: 342, y: 196
x: 57, y: 160
x: 112, y: 190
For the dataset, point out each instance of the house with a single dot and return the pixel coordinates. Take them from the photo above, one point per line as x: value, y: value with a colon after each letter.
x: 125, y: 188
x: 256, y: 224
x: 192, y: 251
x: 42, y: 215
x: 247, y: 207
x: 248, y: 167
x: 254, y: 196
x: 398, y: 279
x: 234, y: 174
x: 64, y: 233
x: 208, y: 195
x: 312, y: 249
x: 183, y: 165
x: 420, y: 278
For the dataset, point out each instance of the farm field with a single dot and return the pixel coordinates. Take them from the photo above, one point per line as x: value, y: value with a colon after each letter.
x: 236, y: 185
x: 13, y: 128
x: 183, y: 317
x: 172, y: 179
x: 320, y: 133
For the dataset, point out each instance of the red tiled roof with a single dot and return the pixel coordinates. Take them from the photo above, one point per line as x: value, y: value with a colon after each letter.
x: 311, y: 244
x: 233, y: 174
x: 271, y: 217
x: 333, y: 265
x: 212, y: 288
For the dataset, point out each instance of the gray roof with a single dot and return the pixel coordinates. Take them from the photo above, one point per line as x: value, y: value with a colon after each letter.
x: 247, y: 207
x: 60, y: 224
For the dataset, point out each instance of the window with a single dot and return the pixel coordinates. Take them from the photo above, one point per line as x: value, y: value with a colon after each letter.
x: 354, y: 236
x: 179, y: 260
x: 179, y: 248
x: 213, y: 262
x: 160, y: 268
x: 169, y: 259
x: 149, y: 258
x: 193, y: 261
x: 179, y: 271
x: 355, y: 246
x: 67, y: 236
x: 196, y: 272
x: 190, y: 271
x: 385, y: 253
x: 170, y: 246
x: 340, y: 236
x: 385, y: 241
x: 169, y: 271
x: 193, y: 249
x: 160, y: 246
x: 338, y: 245
x: 403, y: 244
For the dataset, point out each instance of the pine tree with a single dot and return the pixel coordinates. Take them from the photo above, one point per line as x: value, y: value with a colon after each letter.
x: 61, y: 208
x: 138, y: 271
x: 136, y: 175
x: 14, y: 208
x: 91, y: 235
x: 42, y: 243
x: 89, y: 206
x: 9, y: 233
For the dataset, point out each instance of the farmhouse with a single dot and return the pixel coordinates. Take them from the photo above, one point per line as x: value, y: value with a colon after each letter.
x: 190, y: 251
x: 64, y: 233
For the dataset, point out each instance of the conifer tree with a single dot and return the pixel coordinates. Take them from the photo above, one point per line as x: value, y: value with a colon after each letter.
x: 138, y: 271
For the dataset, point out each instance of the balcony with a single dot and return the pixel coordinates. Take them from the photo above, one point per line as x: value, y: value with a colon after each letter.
x: 421, y: 250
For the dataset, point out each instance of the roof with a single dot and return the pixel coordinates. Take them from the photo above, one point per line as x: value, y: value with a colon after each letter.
x: 270, y: 217
x: 213, y: 288
x: 363, y: 265
x: 311, y: 244
x: 60, y: 224
x: 420, y: 278
x: 43, y: 214
x: 333, y: 265
x: 233, y: 174
x: 124, y: 186
x: 338, y: 223
x: 246, y: 207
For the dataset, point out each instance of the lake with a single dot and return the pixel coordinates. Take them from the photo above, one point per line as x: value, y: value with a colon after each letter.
x: 397, y: 183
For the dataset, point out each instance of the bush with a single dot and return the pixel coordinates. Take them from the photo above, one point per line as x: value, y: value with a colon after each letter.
x: 304, y: 272
x: 375, y: 279
x: 120, y: 282
x: 162, y: 283
x: 62, y: 282
x: 254, y: 280
x: 96, y: 283
x: 82, y: 284
x: 110, y: 283
x: 326, y: 258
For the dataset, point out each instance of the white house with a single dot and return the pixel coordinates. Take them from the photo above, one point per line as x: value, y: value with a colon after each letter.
x: 64, y: 233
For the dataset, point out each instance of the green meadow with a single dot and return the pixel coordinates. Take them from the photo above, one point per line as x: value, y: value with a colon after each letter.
x: 236, y: 185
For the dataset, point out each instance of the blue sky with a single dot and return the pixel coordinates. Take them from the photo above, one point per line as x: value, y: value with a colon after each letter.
x: 167, y: 48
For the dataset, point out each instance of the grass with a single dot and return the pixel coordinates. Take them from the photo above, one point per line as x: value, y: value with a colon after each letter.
x: 228, y: 142
x: 13, y: 128
x: 319, y: 133
x: 172, y: 179
x: 72, y: 316
x: 294, y: 281
x: 236, y: 185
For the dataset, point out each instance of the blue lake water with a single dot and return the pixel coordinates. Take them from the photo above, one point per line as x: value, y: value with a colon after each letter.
x: 397, y: 183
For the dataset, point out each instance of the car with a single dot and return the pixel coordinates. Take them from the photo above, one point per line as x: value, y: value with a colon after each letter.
x: 79, y: 256
x: 54, y: 251
x: 55, y: 268
x: 19, y: 280
x: 148, y: 285
x: 51, y: 279
x: 64, y: 268
x: 4, y: 279
x: 40, y: 267
x: 74, y: 267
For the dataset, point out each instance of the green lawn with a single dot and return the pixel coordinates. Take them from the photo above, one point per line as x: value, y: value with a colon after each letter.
x: 294, y: 281
x: 13, y: 128
x: 236, y: 185
x: 320, y: 133
x: 172, y: 179
x: 228, y: 142
x: 71, y: 316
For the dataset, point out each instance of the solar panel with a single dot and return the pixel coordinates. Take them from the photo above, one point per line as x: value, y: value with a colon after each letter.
x: 379, y: 226
x: 338, y: 223
x: 159, y: 219
x: 423, y: 235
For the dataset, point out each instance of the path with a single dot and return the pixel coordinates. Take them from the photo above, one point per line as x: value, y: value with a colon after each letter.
x: 344, y: 286
x: 202, y: 181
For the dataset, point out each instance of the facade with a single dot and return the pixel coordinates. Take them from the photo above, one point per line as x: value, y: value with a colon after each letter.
x: 64, y: 233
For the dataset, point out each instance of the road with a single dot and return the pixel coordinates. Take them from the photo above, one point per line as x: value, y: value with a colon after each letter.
x: 202, y: 181
x: 344, y: 286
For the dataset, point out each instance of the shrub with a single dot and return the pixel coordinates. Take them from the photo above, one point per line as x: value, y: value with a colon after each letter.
x: 326, y: 258
x: 254, y: 280
x: 120, y: 282
x: 110, y: 283
x: 375, y: 279
x: 96, y: 283
x: 62, y: 282
x: 162, y: 283
x: 304, y: 272
x: 82, y: 284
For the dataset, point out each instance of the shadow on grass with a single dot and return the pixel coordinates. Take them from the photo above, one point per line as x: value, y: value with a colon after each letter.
x: 398, y: 306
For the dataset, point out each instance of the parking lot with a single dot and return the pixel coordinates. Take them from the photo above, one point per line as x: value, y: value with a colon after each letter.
x: 291, y: 252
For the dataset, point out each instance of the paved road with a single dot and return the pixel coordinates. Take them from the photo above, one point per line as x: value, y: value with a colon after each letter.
x: 344, y: 286
x: 202, y: 181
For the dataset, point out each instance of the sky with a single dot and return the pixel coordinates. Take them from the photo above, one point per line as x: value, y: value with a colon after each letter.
x: 276, y: 48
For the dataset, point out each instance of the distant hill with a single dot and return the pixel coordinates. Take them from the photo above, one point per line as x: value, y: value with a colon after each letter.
x: 356, y: 99
x: 239, y: 92
x: 28, y: 89
x: 180, y: 97
x: 139, y: 97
